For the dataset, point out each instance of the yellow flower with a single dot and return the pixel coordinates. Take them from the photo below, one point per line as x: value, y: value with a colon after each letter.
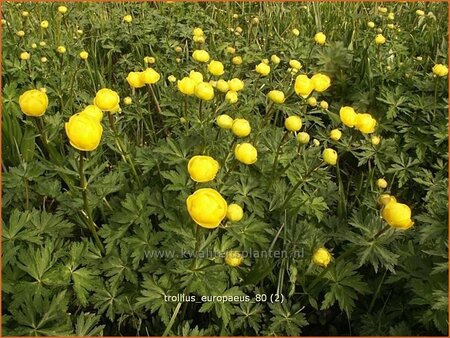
x: 335, y: 135
x: 107, y: 100
x: 316, y: 142
x: 320, y: 38
x: 381, y: 183
x: 204, y: 91
x: 61, y: 49
x: 237, y: 60
x: 207, y: 207
x: 397, y: 215
x: 224, y: 121
x: 241, y: 128
x: 246, y: 153
x: 321, y: 82
x: 135, y: 80
x: 440, y: 70
x: 186, y: 85
x: 200, y: 55
x: 275, y: 59
x: 197, y: 31
x: 312, y: 101
x: 4, y: 22
x: 236, y: 84
x: 25, y: 13
x: 375, y: 140
x: 127, y: 18
x: 365, y: 123
x: 215, y: 68
x: 230, y: 50
x: 255, y: 20
x: 84, y: 132
x: 266, y: 61
x: 149, y: 59
x: 234, y: 213
x: 382, y: 9
x: 303, y: 137
x: 295, y: 64
x: 233, y: 258
x: 231, y: 96
x: 43, y: 59
x: 238, y: 29
x: 296, y: 32
x: 62, y: 9
x: 380, y: 39
x: 263, y: 69
x: 222, y: 86
x: 293, y: 123
x: 172, y: 78
x: 84, y: 55
x: 324, y: 104
x: 33, y: 45
x: 199, y: 39
x: 420, y: 12
x: 94, y: 112
x: 25, y: 56
x: 330, y: 156
x: 44, y: 24
x: 203, y: 168
x: 196, y: 76
x: 348, y: 116
x: 79, y: 31
x: 391, y: 16
x: 390, y: 26
x: 322, y: 257
x: 33, y: 102
x: 127, y: 100
x: 42, y: 44
x: 178, y: 49
x: 371, y: 24
x: 20, y: 33
x: 150, y: 76
x: 385, y: 199
x: 276, y: 96
x: 303, y: 86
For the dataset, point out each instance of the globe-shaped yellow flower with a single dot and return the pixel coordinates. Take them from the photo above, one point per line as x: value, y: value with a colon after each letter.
x: 199, y: 39
x: 276, y: 96
x: 44, y: 24
x: 107, y: 100
x: 371, y: 24
x: 365, y: 123
x: 204, y: 91
x: 203, y: 168
x: 320, y: 38
x: 440, y: 70
x: 237, y: 60
x: 62, y: 9
x: 236, y: 84
x: 200, y: 55
x: 385, y: 199
x: 224, y: 121
x: 61, y: 49
x: 303, y: 86
x: 25, y: 56
x: 127, y: 18
x: 150, y: 76
x: 335, y: 135
x: 303, y: 138
x: 263, y: 69
x: 348, y: 116
x: 296, y: 32
x: 197, y: 31
x: 33, y: 102
x: 94, y: 112
x: 231, y: 96
x: 321, y: 82
x: 84, y: 132
x: 295, y: 64
x: 246, y: 153
x: 84, y: 55
x: 312, y: 101
x: 207, y: 207
x: 222, y: 86
x: 233, y: 258
x: 127, y: 100
x: 215, y: 68
x: 135, y: 80
x: 293, y: 123
x: 186, y: 85
x: 375, y: 140
x: 322, y: 257
x: 324, y: 104
x: 330, y: 156
x: 234, y: 213
x: 275, y: 59
x: 380, y: 39
x: 241, y: 128
x: 397, y: 215
x: 382, y: 183
x: 196, y: 76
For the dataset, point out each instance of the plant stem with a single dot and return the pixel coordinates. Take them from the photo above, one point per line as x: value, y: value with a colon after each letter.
x: 155, y: 99
x: 149, y: 90
x: 275, y: 162
x: 87, y: 208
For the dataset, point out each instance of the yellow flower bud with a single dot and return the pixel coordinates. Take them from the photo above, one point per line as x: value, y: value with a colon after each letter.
x: 127, y: 18
x: 203, y: 168
x: 199, y: 39
x: 44, y: 24
x: 234, y: 213
x: 186, y: 85
x: 238, y: 29
x: 207, y: 207
x: 61, y: 49
x: 246, y: 153
x: 237, y: 60
x: 316, y: 142
x: 255, y: 20
x: 204, y: 91
x: 296, y: 32
x: 231, y: 96
x: 44, y: 59
x: 275, y: 59
x: 33, y: 102
x: 303, y: 86
x: 397, y: 215
x: 320, y: 38
x: 20, y: 33
x: 293, y: 123
x: 149, y: 60
x: 312, y: 101
x: 380, y: 39
x: 215, y: 68
x: 391, y: 16
x: 230, y: 50
x: 384, y: 199
x: 241, y: 128
x: 236, y: 84
x: 33, y: 45
x: 330, y: 156
x: 224, y: 121
x: 322, y: 257
x: 371, y: 24
x: 135, y: 80
x: 222, y: 86
x: 62, y: 9
x: 84, y: 132
x: 295, y: 64
x: 303, y: 138
x: 25, y: 56
x: 382, y: 9
x: 420, y: 12
x: 276, y: 96
x: 197, y: 31
x: 84, y: 55
x: 233, y: 258
x: 324, y: 104
x: 262, y: 69
x: 390, y: 26
x: 196, y: 76
x: 266, y: 61
x: 107, y: 100
x: 94, y: 112
x: 200, y: 55
x: 382, y: 183
x: 42, y: 44
x: 348, y: 116
x: 150, y: 76
x: 335, y: 135
x: 25, y: 13
x: 79, y: 31
x: 127, y: 101
x: 178, y: 49
x: 172, y: 78
x: 365, y: 123
x: 375, y: 140
x: 440, y: 70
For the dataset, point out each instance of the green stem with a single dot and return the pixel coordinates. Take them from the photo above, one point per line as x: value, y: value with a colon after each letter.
x: 155, y: 99
x: 277, y: 154
x: 435, y: 96
x: 149, y: 90
x: 233, y: 166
